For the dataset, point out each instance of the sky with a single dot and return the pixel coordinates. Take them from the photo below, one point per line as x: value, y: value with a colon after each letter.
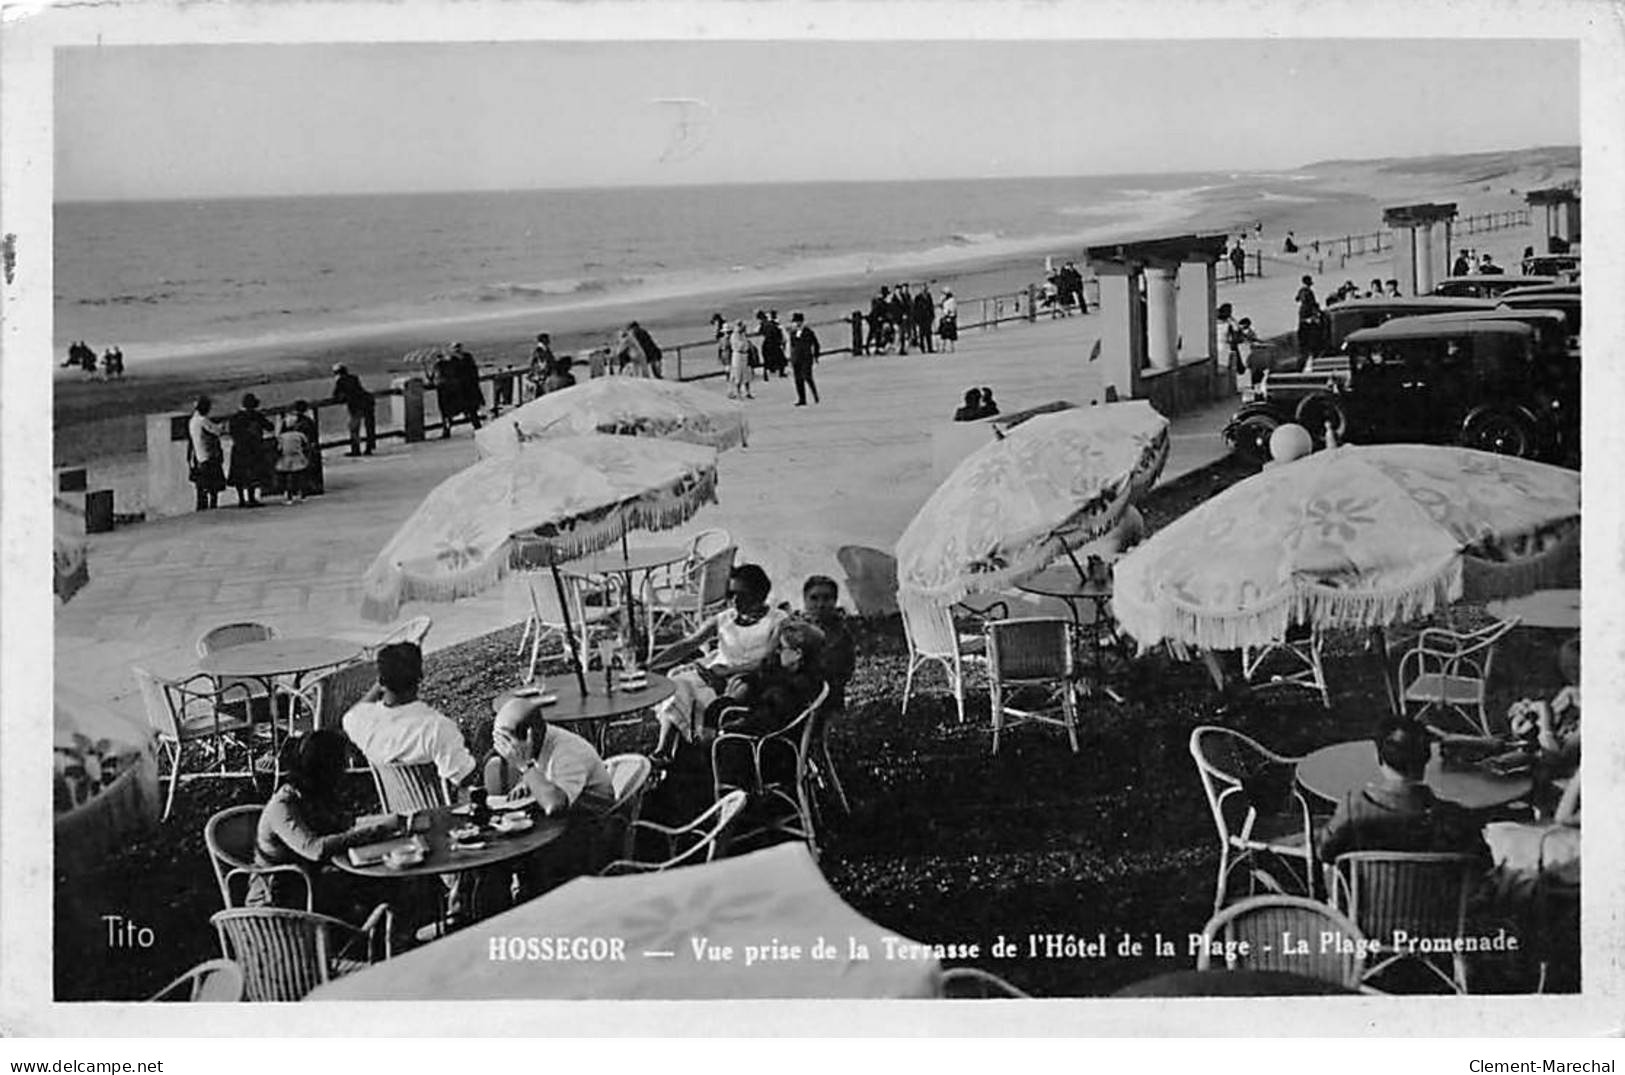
x: 244, y: 120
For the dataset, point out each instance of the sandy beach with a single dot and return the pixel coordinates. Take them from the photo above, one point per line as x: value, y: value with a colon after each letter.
x: 96, y: 420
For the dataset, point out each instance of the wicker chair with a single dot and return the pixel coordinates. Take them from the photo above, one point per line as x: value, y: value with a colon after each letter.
x: 871, y: 579
x: 1422, y: 893
x: 546, y: 620
x: 191, y: 715
x: 237, y: 634
x: 216, y: 981
x: 1448, y: 672
x: 285, y: 954
x: 703, y: 593
x: 1294, y: 661
x: 973, y: 983
x: 706, y: 839
x: 933, y: 638
x: 1256, y: 805
x: 406, y: 789
x: 779, y: 772
x: 1032, y: 654
x: 629, y: 776
x: 229, y: 836
x: 1263, y: 923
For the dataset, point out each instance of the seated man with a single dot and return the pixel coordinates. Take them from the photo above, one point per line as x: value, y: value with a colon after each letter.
x: 564, y: 775
x: 392, y: 726
x: 1396, y: 811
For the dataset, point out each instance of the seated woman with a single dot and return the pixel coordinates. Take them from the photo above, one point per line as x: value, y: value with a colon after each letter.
x: 766, y: 700
x: 746, y: 634
x: 304, y: 824
x: 1553, y: 729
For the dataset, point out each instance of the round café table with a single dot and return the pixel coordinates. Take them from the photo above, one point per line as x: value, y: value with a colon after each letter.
x: 445, y: 856
x: 1233, y: 983
x: 594, y: 710
x: 277, y: 657
x: 1558, y: 610
x: 1335, y: 771
x: 627, y: 563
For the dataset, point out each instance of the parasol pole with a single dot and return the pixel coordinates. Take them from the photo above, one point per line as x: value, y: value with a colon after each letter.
x: 569, y: 629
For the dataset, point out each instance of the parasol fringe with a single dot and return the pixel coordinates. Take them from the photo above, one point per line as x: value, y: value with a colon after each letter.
x: 1320, y: 606
x: 385, y: 590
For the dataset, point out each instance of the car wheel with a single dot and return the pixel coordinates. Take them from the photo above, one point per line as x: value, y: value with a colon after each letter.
x: 1318, y: 410
x: 1251, y: 437
x: 1501, y: 432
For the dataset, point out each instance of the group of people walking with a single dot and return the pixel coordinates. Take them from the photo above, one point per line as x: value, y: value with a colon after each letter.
x: 1063, y: 289
x: 904, y: 319
x: 798, y: 350
x: 265, y: 456
x: 82, y: 356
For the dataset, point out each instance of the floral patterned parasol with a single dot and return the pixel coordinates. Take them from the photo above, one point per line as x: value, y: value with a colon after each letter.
x: 568, y: 496
x: 1054, y: 483
x: 1351, y: 537
x: 637, y: 406
x: 69, y: 552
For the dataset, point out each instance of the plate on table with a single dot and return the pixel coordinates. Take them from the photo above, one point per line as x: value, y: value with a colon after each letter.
x: 509, y: 824
x: 403, y: 857
x: 633, y: 683
x: 464, y: 833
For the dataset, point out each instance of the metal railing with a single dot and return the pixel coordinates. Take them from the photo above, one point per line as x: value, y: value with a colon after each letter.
x: 696, y: 360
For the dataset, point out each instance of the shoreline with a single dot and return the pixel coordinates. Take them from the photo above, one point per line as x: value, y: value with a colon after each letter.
x: 93, y: 419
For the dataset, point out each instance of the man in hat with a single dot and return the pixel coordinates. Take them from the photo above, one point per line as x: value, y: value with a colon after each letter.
x: 470, y: 396
x: 804, y: 352
x: 347, y: 389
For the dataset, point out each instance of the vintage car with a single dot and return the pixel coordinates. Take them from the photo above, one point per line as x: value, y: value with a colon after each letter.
x: 1345, y: 317
x: 1565, y: 266
x: 1488, y: 285
x: 1480, y: 382
x: 1564, y: 298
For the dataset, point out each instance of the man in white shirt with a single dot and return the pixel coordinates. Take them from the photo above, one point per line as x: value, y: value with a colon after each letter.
x: 391, y: 726
x: 204, y: 454
x: 563, y: 774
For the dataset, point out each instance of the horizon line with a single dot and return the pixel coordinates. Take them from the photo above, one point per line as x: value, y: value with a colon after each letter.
x: 1254, y: 170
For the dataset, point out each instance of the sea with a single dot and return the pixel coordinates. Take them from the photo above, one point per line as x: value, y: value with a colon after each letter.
x: 172, y: 278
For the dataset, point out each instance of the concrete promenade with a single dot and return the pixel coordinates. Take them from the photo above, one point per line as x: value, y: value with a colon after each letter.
x: 851, y: 470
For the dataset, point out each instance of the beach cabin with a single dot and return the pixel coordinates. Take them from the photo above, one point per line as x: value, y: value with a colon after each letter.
x: 1159, y: 338
x: 1418, y: 259
x: 1562, y: 205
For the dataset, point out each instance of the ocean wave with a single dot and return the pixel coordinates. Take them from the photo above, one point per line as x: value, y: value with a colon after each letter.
x: 973, y: 238
x: 1271, y: 196
x: 504, y: 291
x: 151, y: 297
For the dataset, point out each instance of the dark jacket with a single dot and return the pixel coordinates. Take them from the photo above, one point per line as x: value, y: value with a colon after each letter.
x: 651, y: 350
x: 1387, y: 815
x: 924, y: 308
x: 772, y: 344
x: 467, y: 371
x: 804, y: 347
x: 355, y: 397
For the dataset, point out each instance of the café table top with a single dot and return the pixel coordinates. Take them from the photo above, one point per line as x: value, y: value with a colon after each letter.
x: 1557, y: 609
x: 1233, y: 983
x: 597, y: 704
x: 280, y: 656
x: 610, y: 561
x: 1063, y: 580
x: 773, y: 901
x: 1332, y: 772
x: 443, y: 857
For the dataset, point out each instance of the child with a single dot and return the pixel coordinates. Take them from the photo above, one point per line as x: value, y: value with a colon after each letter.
x: 292, y: 459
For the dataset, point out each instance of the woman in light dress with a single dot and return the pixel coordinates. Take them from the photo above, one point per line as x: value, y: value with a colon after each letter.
x: 739, y: 370
x: 746, y: 633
